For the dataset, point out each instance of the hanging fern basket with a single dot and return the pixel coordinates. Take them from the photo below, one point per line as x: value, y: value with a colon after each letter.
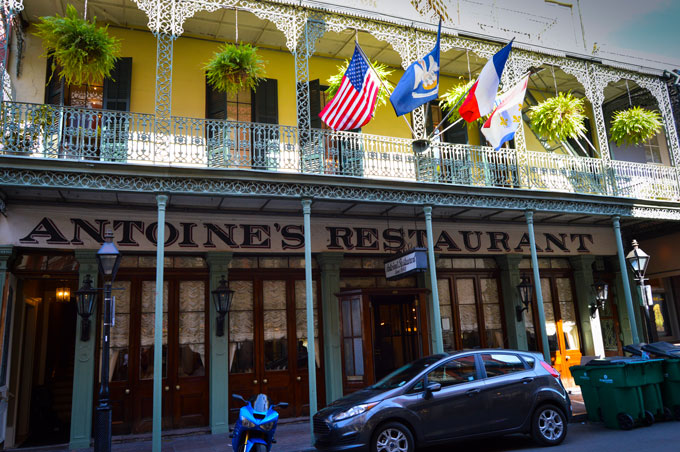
x: 383, y: 72
x: 82, y: 52
x: 559, y: 118
x: 235, y: 67
x: 635, y: 126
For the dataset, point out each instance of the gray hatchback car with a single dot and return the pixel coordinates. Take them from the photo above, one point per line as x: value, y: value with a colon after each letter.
x: 445, y: 397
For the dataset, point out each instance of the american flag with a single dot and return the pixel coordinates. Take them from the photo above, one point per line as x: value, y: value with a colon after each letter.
x: 354, y: 103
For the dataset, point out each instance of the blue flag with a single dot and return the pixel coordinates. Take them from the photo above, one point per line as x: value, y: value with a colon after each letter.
x: 420, y: 82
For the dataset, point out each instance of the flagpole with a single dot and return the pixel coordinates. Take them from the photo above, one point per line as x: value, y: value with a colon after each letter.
x: 382, y: 82
x: 450, y: 111
x: 443, y: 131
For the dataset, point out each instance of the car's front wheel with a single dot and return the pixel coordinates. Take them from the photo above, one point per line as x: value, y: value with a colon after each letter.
x: 549, y: 426
x: 392, y: 437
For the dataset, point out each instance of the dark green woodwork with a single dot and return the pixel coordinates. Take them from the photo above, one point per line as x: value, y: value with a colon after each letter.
x: 510, y: 278
x: 83, y: 364
x: 329, y: 263
x: 218, y: 262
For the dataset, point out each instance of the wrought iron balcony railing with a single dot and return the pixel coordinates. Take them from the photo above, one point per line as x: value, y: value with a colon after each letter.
x: 72, y: 133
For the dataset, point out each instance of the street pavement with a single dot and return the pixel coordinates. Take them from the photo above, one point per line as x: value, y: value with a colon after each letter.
x: 581, y: 436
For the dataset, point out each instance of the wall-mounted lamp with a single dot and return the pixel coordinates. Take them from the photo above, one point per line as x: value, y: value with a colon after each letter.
x: 222, y: 297
x: 525, y: 290
x: 85, y: 303
x: 63, y: 294
x: 601, y: 290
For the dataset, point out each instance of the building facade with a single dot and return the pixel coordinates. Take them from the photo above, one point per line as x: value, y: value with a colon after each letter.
x: 300, y: 219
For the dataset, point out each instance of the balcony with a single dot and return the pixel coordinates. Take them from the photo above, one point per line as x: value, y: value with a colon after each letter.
x: 80, y: 134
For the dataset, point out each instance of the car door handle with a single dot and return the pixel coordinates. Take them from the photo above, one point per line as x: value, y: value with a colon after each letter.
x: 526, y: 380
x: 472, y: 392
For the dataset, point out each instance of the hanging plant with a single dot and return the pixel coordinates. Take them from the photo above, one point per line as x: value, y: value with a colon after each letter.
x: 559, y: 118
x: 83, y: 52
x: 635, y: 125
x: 235, y: 67
x: 452, y: 99
x: 383, y: 72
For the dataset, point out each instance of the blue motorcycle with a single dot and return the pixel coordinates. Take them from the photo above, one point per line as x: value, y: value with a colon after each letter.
x: 256, y: 424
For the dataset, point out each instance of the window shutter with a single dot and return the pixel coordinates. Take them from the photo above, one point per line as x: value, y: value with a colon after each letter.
x: 266, y: 102
x: 54, y: 92
x: 215, y: 102
x: 117, y: 86
x: 314, y: 104
x: 456, y: 134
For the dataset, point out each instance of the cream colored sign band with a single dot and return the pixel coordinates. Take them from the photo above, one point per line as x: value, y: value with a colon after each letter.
x: 192, y: 232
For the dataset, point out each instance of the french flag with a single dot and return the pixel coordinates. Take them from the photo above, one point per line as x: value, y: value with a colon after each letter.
x: 480, y: 100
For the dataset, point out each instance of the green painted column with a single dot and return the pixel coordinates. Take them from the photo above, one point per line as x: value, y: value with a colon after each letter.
x: 329, y: 263
x: 624, y: 279
x: 161, y: 200
x: 591, y: 331
x: 437, y: 340
x: 311, y: 352
x: 83, y: 364
x: 218, y: 263
x: 510, y: 279
x: 529, y: 215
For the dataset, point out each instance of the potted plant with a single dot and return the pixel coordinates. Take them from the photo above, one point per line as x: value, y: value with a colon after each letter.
x: 383, y: 72
x: 83, y: 52
x: 235, y: 67
x: 635, y: 125
x: 559, y: 117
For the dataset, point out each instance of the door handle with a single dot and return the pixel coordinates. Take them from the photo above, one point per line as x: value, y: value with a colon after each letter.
x: 127, y: 392
x: 299, y: 378
x: 472, y: 392
x: 167, y: 388
x: 254, y: 382
x: 177, y: 387
x: 265, y: 381
x: 527, y: 380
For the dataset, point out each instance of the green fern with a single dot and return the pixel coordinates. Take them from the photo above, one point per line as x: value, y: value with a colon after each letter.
x: 83, y: 52
x: 452, y: 99
x: 235, y: 67
x: 635, y: 125
x: 383, y: 72
x: 559, y: 118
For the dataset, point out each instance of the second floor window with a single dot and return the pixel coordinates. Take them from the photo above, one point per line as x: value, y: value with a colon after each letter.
x: 259, y: 105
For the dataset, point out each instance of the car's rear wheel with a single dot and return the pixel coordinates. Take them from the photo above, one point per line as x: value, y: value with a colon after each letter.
x: 549, y: 425
x: 392, y: 437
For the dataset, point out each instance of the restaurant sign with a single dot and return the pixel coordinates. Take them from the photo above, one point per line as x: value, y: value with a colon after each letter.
x: 406, y: 263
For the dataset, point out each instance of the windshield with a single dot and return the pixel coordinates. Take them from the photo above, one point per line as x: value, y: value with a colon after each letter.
x: 404, y: 374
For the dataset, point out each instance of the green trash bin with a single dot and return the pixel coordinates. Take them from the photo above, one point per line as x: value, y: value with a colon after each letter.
x: 588, y: 391
x: 670, y: 388
x: 619, y: 390
x: 653, y: 376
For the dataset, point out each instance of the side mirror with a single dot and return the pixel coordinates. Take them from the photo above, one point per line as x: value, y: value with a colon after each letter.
x: 432, y: 387
x: 282, y: 405
x: 238, y: 397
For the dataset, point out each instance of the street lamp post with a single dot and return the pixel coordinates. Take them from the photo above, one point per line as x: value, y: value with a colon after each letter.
x: 638, y: 261
x: 525, y: 289
x: 108, y: 258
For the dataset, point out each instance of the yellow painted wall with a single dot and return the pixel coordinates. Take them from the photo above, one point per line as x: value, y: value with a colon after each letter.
x: 30, y: 85
x: 188, y: 91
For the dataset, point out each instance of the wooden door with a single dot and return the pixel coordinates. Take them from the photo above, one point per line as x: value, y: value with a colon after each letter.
x: 143, y: 349
x: 120, y: 387
x: 357, y: 342
x: 611, y: 330
x: 188, y: 346
x: 301, y: 383
x: 268, y: 341
x: 185, y: 392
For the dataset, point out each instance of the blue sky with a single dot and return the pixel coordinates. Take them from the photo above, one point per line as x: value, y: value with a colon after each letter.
x: 651, y: 27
